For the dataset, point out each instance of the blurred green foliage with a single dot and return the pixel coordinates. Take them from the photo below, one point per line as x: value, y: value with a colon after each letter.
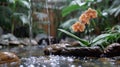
x: 13, y: 13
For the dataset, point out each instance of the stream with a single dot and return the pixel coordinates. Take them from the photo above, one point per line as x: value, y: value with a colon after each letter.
x: 38, y: 59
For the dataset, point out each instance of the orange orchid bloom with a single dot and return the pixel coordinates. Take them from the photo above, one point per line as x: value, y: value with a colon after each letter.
x: 91, y: 13
x: 78, y: 27
x: 84, y: 18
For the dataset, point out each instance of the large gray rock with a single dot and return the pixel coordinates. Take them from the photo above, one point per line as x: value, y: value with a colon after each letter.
x: 7, y: 39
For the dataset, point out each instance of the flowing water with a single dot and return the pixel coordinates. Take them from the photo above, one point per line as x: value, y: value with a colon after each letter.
x: 38, y: 59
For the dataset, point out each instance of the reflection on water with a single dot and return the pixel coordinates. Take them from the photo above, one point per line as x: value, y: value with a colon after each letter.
x: 38, y: 59
x: 47, y: 61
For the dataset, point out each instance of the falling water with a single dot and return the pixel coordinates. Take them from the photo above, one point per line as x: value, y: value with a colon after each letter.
x: 46, y: 2
x: 30, y: 27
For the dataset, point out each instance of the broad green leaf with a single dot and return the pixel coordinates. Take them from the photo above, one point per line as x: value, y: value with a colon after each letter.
x: 115, y: 3
x: 21, y: 17
x: 24, y: 3
x: 69, y: 9
x: 117, y: 12
x: 83, y: 42
x: 100, y: 42
x: 68, y: 23
x: 24, y: 19
x: 102, y: 36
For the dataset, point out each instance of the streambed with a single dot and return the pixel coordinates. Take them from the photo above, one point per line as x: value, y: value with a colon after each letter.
x: 38, y: 59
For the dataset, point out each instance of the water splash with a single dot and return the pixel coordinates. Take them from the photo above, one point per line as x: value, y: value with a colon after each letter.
x: 50, y: 61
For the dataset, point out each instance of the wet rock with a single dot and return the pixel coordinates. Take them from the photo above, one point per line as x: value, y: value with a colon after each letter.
x: 40, y: 36
x: 26, y: 42
x: 9, y: 37
x: 82, y: 51
x: 74, y: 44
x: 7, y: 57
x: 62, y: 49
x: 4, y: 42
x: 112, y: 50
x: 14, y: 43
x: 43, y: 39
x: 54, y: 49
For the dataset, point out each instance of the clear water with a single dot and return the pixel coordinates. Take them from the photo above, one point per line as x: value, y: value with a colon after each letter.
x: 38, y: 59
x: 60, y: 61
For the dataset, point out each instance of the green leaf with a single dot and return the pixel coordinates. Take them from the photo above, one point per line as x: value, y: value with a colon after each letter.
x: 11, y: 1
x: 100, y: 42
x: 117, y: 12
x: 24, y: 19
x: 83, y: 42
x: 20, y: 17
x: 69, y: 9
x: 100, y: 37
x: 68, y: 23
x: 23, y: 3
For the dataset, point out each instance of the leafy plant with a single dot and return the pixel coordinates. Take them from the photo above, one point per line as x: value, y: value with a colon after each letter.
x: 17, y: 11
x: 115, y: 8
x: 75, y: 5
x: 82, y: 41
x: 20, y: 10
x: 102, y: 40
x: 5, y: 13
x: 104, y: 20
